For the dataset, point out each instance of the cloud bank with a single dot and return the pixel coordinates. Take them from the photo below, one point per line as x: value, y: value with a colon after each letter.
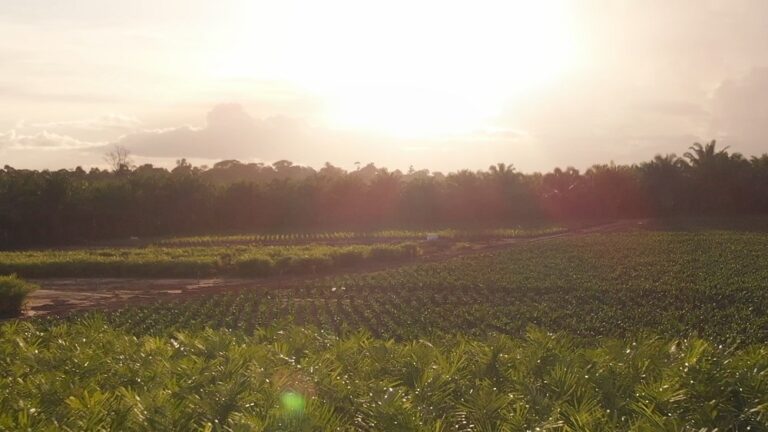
x: 42, y: 141
x: 229, y: 133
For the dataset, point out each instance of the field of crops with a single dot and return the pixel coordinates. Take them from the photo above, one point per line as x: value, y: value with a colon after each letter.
x: 674, y: 284
x: 636, y: 331
x: 88, y: 376
x: 364, y: 236
x: 197, y: 261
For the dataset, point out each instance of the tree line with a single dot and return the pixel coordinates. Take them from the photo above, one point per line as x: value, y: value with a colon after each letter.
x: 75, y: 206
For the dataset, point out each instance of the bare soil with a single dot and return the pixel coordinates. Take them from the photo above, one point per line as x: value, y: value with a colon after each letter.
x: 63, y: 296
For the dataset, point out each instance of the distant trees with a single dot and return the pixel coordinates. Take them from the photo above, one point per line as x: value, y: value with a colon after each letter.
x: 664, y: 183
x: 50, y: 207
x: 119, y: 159
x: 717, y: 177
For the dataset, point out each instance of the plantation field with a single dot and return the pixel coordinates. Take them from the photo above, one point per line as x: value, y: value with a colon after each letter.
x: 618, y: 284
x: 197, y: 261
x: 366, y: 236
x: 641, y: 330
x: 89, y: 376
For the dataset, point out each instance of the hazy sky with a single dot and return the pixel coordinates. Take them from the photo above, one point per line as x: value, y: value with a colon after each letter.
x: 435, y: 84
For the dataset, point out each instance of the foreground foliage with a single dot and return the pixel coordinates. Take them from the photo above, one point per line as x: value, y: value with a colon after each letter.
x: 13, y: 292
x: 90, y: 376
x: 197, y: 261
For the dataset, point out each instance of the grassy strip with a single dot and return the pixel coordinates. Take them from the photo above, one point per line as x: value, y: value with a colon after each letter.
x: 385, y: 235
x: 89, y: 376
x: 194, y: 262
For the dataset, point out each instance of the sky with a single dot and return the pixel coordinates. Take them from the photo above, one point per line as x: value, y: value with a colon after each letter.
x: 435, y: 84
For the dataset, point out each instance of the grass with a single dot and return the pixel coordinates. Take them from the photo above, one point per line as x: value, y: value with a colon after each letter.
x: 364, y: 236
x: 251, y: 261
x: 13, y: 293
x: 293, y: 378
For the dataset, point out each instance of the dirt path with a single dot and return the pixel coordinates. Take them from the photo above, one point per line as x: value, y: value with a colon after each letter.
x: 62, y: 296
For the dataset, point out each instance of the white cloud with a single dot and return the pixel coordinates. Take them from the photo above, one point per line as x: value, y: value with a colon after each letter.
x: 67, y: 135
x: 42, y: 140
x: 89, y: 132
x: 108, y: 122
x: 230, y: 132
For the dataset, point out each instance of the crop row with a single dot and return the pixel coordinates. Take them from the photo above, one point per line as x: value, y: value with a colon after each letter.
x: 714, y: 262
x: 407, y: 314
x: 197, y: 261
x: 364, y: 236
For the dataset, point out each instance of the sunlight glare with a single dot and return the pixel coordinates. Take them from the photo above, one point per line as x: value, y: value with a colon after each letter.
x: 404, y: 68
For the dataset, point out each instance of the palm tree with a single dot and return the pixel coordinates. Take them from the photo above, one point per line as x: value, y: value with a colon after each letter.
x: 669, y: 161
x: 663, y: 179
x: 505, y: 194
x: 718, y: 177
x: 704, y: 155
x: 560, y: 182
x: 502, y: 169
x: 561, y: 192
x: 503, y: 175
x: 758, y: 182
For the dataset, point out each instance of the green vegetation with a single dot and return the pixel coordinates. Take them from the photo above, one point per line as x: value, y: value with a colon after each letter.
x: 639, y: 331
x: 59, y: 207
x: 197, y: 261
x: 13, y: 292
x: 292, y: 378
x: 365, y: 236
x: 673, y: 284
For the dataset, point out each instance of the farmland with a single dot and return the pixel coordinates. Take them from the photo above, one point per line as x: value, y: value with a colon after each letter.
x: 88, y: 376
x: 635, y: 330
x: 616, y: 285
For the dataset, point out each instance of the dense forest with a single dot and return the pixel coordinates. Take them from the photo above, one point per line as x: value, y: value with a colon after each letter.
x: 66, y: 206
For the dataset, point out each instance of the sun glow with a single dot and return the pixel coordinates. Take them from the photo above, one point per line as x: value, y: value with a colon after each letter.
x: 401, y: 67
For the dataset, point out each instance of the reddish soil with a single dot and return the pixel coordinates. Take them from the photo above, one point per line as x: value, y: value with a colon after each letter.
x: 62, y: 296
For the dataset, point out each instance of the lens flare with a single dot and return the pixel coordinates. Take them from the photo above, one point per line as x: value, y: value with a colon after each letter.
x: 292, y: 402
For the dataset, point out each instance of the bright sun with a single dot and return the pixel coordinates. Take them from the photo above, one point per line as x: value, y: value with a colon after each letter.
x: 406, y: 68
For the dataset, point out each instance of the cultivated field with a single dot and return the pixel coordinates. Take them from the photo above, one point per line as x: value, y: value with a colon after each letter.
x: 640, y: 329
x: 670, y: 283
x: 89, y: 376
